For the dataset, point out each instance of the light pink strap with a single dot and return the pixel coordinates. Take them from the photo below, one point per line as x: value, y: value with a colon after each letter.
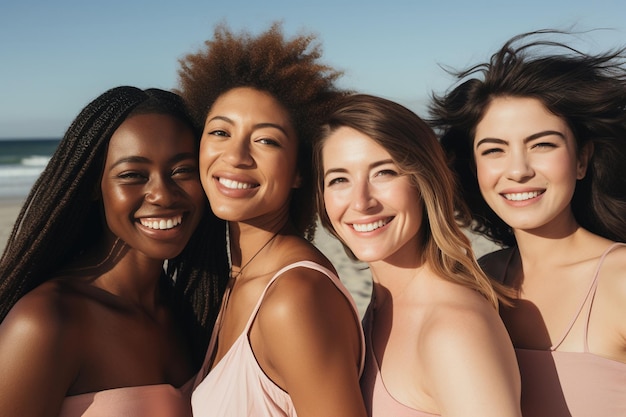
x: 595, y: 287
x: 590, y: 294
x: 333, y: 277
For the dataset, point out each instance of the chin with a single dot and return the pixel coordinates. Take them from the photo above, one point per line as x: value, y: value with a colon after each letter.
x: 367, y: 256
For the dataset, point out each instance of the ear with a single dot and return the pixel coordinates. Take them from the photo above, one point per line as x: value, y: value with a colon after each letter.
x: 584, y: 156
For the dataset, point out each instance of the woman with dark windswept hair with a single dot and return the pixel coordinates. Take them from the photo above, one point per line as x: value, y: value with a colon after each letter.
x: 288, y: 340
x: 537, y: 136
x: 435, y: 343
x: 92, y: 322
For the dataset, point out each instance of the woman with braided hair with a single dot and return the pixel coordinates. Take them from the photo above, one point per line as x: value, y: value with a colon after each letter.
x: 92, y: 322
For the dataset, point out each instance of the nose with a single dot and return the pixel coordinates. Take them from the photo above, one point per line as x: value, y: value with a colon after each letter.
x: 519, y: 167
x: 237, y: 153
x: 162, y: 191
x: 363, y: 199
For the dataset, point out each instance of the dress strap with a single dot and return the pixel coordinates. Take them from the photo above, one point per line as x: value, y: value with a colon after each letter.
x: 212, y: 349
x: 595, y: 287
x: 306, y: 264
x: 588, y: 297
x: 333, y: 277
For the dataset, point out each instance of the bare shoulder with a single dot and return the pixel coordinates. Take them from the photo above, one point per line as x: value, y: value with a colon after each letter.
x: 307, y: 302
x: 38, y: 343
x: 304, y: 301
x: 307, y: 337
x: 613, y: 273
x: 615, y: 261
x: 303, y: 291
x: 463, y: 317
x: 467, y: 358
x: 43, y: 310
x: 295, y: 248
x: 45, y: 316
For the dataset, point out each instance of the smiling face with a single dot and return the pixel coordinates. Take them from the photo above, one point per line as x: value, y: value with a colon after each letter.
x: 248, y: 157
x: 152, y: 196
x: 527, y: 163
x: 375, y: 211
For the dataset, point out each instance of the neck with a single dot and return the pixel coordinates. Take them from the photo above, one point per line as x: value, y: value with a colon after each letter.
x: 247, y: 241
x: 534, y: 247
x: 124, y: 273
x: 394, y: 278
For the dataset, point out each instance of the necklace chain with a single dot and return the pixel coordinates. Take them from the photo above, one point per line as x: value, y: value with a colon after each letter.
x: 251, y: 259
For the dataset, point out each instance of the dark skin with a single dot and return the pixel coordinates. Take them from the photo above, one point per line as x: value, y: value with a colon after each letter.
x: 105, y: 321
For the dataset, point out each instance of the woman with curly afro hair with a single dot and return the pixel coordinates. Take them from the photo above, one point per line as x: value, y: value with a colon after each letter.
x: 288, y: 339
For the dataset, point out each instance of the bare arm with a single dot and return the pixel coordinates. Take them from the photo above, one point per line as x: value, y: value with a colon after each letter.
x: 36, y: 367
x: 607, y: 328
x: 471, y: 365
x: 311, y: 344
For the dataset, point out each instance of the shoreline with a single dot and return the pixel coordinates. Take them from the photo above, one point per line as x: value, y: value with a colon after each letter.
x: 354, y: 275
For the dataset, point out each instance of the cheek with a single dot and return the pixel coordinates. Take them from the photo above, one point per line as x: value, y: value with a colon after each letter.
x: 333, y: 206
x: 570, y: 170
x: 206, y: 156
x: 112, y: 198
x: 487, y: 174
x: 410, y: 199
x: 116, y: 208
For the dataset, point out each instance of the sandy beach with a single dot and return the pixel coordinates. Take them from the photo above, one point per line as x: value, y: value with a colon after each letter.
x: 355, y: 275
x: 9, y: 209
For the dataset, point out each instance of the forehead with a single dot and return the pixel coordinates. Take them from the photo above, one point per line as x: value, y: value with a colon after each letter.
x: 146, y: 134
x: 348, y: 145
x: 514, y: 117
x: 245, y: 103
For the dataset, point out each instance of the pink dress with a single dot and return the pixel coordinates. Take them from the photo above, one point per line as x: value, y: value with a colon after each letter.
x: 378, y: 401
x: 160, y: 400
x: 573, y: 384
x: 237, y: 386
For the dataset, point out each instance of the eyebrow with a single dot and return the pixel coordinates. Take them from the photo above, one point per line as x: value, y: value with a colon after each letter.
x: 143, y: 160
x: 371, y: 166
x: 256, y: 126
x: 532, y: 137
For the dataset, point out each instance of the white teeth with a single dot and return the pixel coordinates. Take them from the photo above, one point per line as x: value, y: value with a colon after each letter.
x: 368, y: 227
x: 521, y: 196
x: 162, y: 224
x: 236, y: 185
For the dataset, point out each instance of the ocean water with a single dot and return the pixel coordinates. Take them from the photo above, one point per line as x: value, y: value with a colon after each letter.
x: 21, y: 162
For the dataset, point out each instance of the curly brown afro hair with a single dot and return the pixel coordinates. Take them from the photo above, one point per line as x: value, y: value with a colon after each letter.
x: 288, y: 69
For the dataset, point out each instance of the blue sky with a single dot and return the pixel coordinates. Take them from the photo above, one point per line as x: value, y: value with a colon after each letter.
x: 56, y: 56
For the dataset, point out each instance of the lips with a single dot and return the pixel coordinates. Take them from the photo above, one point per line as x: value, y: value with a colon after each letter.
x: 161, y: 223
x: 370, y: 227
x: 522, y: 196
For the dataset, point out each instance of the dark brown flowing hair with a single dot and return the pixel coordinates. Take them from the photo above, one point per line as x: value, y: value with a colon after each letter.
x: 587, y: 91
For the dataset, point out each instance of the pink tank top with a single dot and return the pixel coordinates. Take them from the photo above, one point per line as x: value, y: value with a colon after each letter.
x: 237, y: 386
x: 573, y: 384
x: 161, y: 400
x: 378, y: 401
